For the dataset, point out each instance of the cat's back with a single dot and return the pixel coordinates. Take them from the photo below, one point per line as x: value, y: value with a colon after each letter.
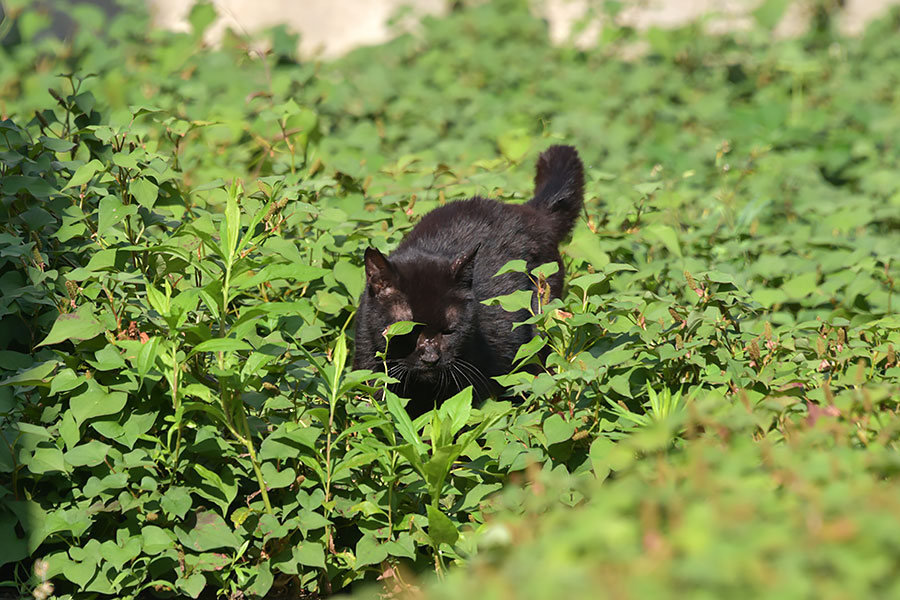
x: 458, y: 226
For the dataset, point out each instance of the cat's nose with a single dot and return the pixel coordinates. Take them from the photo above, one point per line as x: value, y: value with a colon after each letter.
x: 430, y: 356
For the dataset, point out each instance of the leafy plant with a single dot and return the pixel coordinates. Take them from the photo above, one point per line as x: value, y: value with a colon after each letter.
x: 181, y: 240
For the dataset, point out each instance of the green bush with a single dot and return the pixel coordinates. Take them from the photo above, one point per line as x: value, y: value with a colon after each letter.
x: 180, y: 259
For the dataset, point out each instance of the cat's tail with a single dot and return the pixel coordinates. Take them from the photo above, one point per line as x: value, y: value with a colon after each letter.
x: 559, y: 188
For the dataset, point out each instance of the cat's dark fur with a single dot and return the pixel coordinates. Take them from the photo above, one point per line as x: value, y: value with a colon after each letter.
x: 445, y: 267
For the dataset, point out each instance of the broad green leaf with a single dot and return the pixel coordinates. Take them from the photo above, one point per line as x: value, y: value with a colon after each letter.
x: 456, y: 410
x: 514, y: 266
x: 288, y: 440
x: 155, y: 539
x: 220, y: 345
x: 276, y: 479
x: 399, y: 328
x: 207, y: 532
x: 147, y: 357
x: 84, y: 173
x: 514, y: 144
x: 667, y: 236
x: 112, y: 212
x: 546, y: 269
x: 369, y: 551
x: 47, y: 460
x: 65, y: 380
x: 96, y: 401
x: 403, y: 422
x: 192, y: 585
x: 223, y: 488
x: 310, y: 554
x: 144, y: 191
x: 557, y: 429
x: 176, y: 501
x: 79, y: 325
x: 90, y: 454
x: 32, y: 518
x: 36, y: 375
x: 441, y: 529
x: 515, y: 301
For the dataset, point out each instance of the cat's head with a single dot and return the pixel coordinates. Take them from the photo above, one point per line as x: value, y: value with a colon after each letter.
x: 432, y: 291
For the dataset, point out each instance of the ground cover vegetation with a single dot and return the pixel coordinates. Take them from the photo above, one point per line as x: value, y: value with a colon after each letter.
x: 181, y: 243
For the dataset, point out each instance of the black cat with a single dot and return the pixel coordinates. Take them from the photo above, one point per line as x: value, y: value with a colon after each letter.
x: 445, y: 267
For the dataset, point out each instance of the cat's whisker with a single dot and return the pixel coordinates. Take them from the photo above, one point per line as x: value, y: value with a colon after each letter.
x: 443, y: 382
x: 476, y: 377
x: 454, y: 369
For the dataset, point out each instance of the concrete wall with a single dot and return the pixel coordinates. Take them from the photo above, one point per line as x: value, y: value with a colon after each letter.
x: 332, y: 27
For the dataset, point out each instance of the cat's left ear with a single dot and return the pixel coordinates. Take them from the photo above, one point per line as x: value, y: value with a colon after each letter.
x: 380, y: 274
x: 463, y: 265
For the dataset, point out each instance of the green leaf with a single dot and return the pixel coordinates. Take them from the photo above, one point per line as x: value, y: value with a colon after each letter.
x: 288, y: 440
x: 224, y: 486
x: 90, y: 454
x: 800, y: 286
x: 441, y: 529
x: 310, y: 554
x: 80, y: 325
x: 558, y: 429
x: 155, y: 539
x: 112, y: 212
x: 369, y: 551
x: 96, y: 402
x: 514, y: 144
x: 232, y: 221
x: 144, y: 191
x: 64, y: 381
x: 530, y: 348
x: 457, y: 409
x: 403, y: 422
x: 147, y: 357
x: 209, y: 531
x: 514, y: 266
x: 438, y: 466
x: 176, y: 501
x: 667, y: 236
x: 13, y: 549
x: 546, y: 269
x: 47, y: 460
x: 56, y: 144
x: 339, y: 359
x: 84, y: 173
x: 220, y: 345
x: 399, y: 328
x: 32, y: 518
x: 201, y: 17
x: 277, y: 479
x: 515, y: 301
x: 36, y: 375
x: 192, y: 585
x: 599, y: 453
x: 586, y: 247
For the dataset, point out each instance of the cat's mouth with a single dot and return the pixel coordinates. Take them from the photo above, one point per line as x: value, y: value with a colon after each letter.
x: 426, y: 372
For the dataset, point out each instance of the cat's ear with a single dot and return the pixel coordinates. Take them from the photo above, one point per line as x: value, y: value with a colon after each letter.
x: 380, y: 274
x: 461, y: 269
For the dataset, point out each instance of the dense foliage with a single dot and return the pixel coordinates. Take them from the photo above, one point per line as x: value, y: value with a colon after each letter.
x: 181, y: 234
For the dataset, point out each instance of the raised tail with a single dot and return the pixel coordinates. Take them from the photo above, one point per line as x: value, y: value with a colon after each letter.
x: 559, y: 188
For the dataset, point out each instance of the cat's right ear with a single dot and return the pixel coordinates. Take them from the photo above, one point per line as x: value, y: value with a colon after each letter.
x: 462, y: 267
x: 380, y: 275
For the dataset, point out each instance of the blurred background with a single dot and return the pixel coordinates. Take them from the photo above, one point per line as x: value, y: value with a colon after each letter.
x: 329, y: 28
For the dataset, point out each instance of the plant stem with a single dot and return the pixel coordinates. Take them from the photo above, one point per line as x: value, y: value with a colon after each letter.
x: 248, y: 443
